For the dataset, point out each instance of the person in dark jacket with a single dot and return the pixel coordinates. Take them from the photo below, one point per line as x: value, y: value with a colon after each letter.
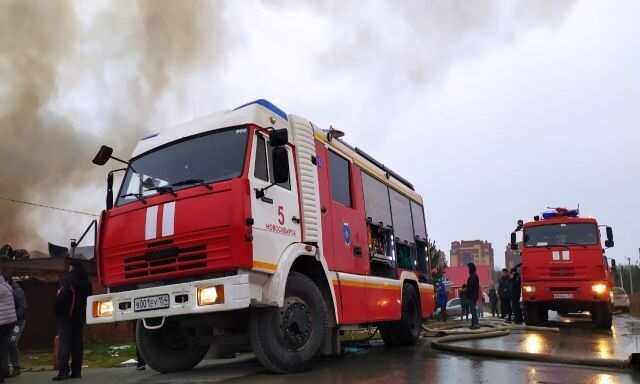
x: 473, y: 294
x: 504, y: 291
x: 515, y: 296
x: 20, y: 301
x: 7, y: 322
x: 464, y: 308
x: 70, y: 308
x: 493, y: 301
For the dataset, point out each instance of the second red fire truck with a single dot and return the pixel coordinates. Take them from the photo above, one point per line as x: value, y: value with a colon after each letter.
x: 564, y: 267
x: 253, y: 228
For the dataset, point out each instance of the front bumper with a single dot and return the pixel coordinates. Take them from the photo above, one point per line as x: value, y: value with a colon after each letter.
x: 236, y: 296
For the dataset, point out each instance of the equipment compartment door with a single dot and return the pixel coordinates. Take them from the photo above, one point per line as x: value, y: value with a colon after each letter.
x: 343, y: 221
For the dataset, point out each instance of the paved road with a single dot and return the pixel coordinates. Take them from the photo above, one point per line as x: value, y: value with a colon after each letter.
x: 420, y: 364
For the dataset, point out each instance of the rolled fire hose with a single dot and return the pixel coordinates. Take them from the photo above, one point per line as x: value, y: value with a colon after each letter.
x: 442, y: 344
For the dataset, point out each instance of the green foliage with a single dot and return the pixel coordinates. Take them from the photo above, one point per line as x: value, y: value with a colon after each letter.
x: 436, y: 257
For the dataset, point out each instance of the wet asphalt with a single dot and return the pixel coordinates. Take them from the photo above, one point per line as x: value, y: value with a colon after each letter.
x: 420, y: 364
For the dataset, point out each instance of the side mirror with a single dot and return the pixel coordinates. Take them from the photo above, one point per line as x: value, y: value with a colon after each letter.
x: 514, y: 241
x: 609, y: 242
x: 280, y: 165
x: 279, y: 137
x: 103, y: 155
x: 110, y: 190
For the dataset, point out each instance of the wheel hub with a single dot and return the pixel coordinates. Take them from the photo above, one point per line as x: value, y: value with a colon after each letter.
x: 296, y: 323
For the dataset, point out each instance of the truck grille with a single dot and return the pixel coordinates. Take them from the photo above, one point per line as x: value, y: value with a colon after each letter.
x: 563, y: 289
x: 165, y: 260
x: 562, y: 272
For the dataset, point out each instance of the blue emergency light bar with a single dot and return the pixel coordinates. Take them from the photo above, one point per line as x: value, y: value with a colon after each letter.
x: 560, y: 212
x: 267, y: 104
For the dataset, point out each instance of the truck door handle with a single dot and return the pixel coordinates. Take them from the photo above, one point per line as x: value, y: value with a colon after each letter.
x: 295, y: 220
x: 267, y: 199
x: 357, y: 251
x: 323, y: 210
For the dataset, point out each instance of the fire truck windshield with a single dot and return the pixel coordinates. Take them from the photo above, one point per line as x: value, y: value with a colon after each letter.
x: 201, y: 159
x: 561, y: 234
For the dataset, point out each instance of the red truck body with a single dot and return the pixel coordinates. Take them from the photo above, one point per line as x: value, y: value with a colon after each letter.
x: 253, y: 215
x: 564, y: 268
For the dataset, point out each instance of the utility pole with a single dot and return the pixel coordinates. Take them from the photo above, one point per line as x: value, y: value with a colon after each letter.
x: 630, y: 277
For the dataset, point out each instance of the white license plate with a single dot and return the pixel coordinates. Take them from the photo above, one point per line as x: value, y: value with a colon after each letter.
x: 563, y: 295
x: 150, y: 303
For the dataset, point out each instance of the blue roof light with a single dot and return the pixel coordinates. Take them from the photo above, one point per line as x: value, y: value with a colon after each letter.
x: 560, y: 212
x: 267, y: 104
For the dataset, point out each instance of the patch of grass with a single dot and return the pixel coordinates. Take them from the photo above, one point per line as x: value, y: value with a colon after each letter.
x: 96, y: 355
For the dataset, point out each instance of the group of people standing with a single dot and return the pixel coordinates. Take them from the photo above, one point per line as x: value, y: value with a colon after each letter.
x: 509, y: 291
x: 13, y: 310
x: 472, y: 298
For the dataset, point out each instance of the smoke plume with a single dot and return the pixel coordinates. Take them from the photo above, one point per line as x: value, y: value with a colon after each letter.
x: 137, y: 55
x: 146, y: 47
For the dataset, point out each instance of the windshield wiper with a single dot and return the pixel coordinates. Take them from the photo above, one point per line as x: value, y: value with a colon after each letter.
x: 192, y: 181
x: 136, y: 195
x: 164, y: 189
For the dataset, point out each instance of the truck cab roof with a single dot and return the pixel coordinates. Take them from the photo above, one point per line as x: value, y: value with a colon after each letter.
x: 561, y: 220
x: 260, y: 112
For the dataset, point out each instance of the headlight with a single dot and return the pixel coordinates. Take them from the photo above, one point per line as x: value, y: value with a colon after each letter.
x: 529, y: 288
x: 211, y: 295
x: 599, y: 288
x: 103, y: 308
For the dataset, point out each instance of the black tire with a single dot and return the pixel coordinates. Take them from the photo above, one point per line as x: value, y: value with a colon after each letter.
x: 287, y: 339
x: 388, y: 334
x: 532, y: 314
x: 544, y: 314
x: 407, y: 330
x: 170, y: 348
x: 602, y: 316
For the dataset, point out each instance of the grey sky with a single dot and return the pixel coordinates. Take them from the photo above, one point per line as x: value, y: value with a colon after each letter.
x: 494, y: 111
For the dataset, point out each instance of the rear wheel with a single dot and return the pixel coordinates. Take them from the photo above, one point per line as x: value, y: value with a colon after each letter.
x: 170, y: 348
x: 287, y: 339
x: 407, y: 330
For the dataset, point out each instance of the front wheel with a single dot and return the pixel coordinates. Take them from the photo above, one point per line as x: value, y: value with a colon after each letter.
x: 170, y: 348
x: 287, y: 339
x: 407, y: 330
x: 602, y: 316
x: 532, y: 314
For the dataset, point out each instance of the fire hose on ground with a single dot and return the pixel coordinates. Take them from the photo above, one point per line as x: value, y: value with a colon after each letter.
x: 445, y: 335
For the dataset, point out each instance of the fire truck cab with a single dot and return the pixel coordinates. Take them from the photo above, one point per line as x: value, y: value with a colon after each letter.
x: 253, y: 229
x: 564, y: 267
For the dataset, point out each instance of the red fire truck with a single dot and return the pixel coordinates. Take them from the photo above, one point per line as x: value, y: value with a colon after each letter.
x: 255, y: 229
x: 564, y: 267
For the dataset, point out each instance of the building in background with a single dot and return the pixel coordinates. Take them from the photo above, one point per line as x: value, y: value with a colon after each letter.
x: 479, y: 252
x: 511, y: 257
